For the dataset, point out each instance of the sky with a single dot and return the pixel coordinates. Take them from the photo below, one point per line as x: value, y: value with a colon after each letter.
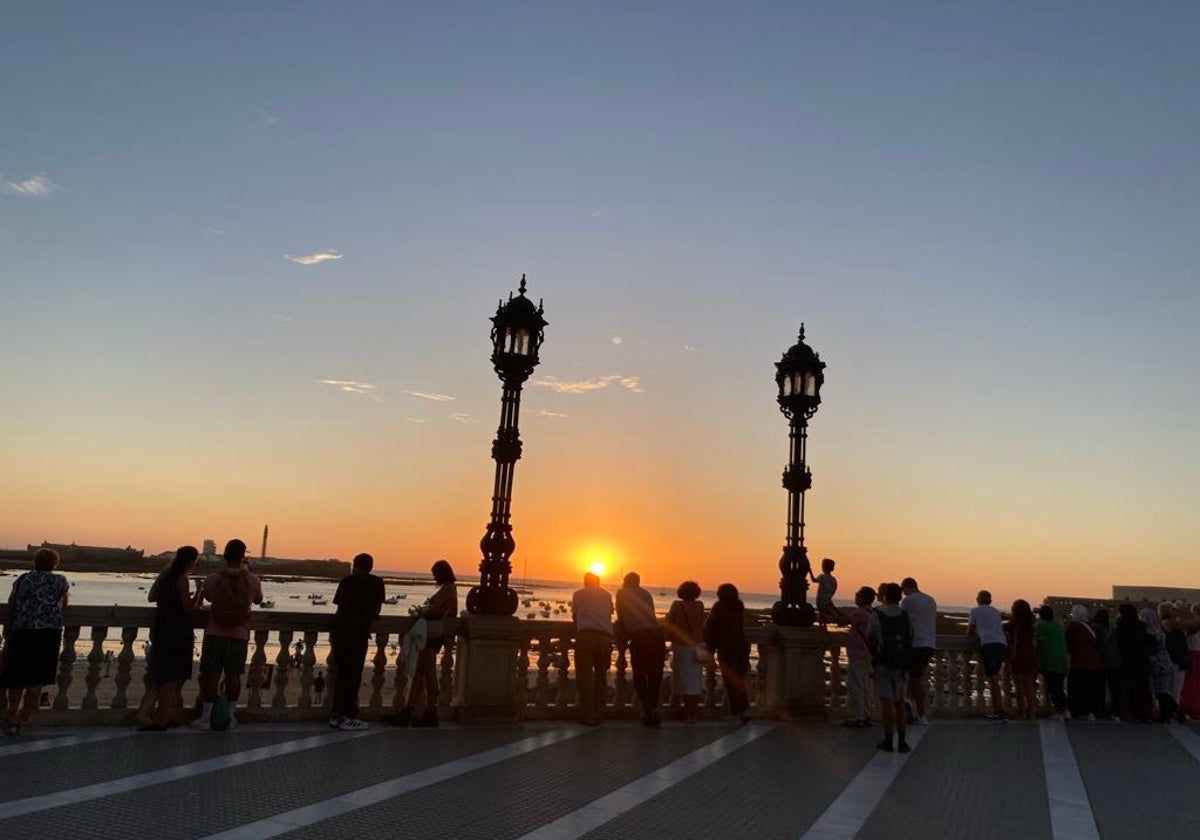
x: 248, y: 253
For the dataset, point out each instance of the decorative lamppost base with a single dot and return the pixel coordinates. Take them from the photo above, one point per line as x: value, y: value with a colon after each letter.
x: 492, y: 601
x: 793, y: 615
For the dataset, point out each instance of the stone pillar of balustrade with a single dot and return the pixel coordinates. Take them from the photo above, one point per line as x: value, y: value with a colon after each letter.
x: 486, y: 671
x: 795, y: 673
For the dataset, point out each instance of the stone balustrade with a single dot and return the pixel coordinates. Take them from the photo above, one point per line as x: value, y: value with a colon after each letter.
x: 289, y: 649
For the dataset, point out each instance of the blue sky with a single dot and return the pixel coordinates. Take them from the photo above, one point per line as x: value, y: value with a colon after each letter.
x: 985, y: 213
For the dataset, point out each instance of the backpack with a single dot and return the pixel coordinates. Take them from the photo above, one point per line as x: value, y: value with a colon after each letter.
x: 219, y: 721
x: 1177, y: 649
x: 895, y: 641
x: 231, y: 601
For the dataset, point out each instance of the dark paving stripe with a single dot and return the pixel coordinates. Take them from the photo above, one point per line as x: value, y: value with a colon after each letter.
x: 35, y: 774
x: 1139, y: 779
x: 513, y: 798
x: 213, y: 802
x: 775, y: 787
x: 972, y: 781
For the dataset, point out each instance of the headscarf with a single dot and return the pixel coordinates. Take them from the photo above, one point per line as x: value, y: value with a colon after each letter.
x: 1079, y: 612
x: 1153, y: 626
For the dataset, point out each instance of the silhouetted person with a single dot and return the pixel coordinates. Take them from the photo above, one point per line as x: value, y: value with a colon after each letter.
x: 33, y: 636
x: 231, y: 592
x: 1051, y: 642
x: 987, y: 625
x: 1136, y: 647
x: 890, y: 637
x: 592, y: 609
x: 442, y: 605
x: 1085, y: 679
x: 922, y: 616
x: 826, y: 589
x: 172, y: 639
x: 685, y: 625
x: 858, y: 658
x: 1022, y: 652
x: 359, y: 599
x: 647, y: 644
x: 1110, y: 656
x: 725, y: 635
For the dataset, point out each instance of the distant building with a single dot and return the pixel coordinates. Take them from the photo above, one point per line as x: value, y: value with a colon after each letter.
x: 1155, y: 593
x: 82, y: 556
x: 210, y: 547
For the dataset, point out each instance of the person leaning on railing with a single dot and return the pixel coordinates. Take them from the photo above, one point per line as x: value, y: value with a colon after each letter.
x: 32, y: 637
x: 725, y: 635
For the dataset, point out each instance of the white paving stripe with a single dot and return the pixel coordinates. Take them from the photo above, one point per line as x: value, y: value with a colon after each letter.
x: 57, y: 741
x: 599, y: 811
x: 1070, y: 811
x: 1189, y: 739
x: 335, y: 806
x: 849, y: 811
x: 17, y: 807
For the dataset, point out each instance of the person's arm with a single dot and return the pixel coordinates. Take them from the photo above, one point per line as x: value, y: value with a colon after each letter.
x: 258, y: 596
x: 380, y: 595
x: 152, y: 595
x: 186, y: 599
x: 66, y: 596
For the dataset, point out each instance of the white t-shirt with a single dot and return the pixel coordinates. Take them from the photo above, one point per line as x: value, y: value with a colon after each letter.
x: 922, y: 615
x: 988, y: 624
x: 592, y: 608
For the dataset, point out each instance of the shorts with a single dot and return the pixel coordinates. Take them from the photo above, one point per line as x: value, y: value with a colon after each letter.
x: 918, y: 661
x: 993, y: 655
x: 890, y: 683
x: 223, y: 655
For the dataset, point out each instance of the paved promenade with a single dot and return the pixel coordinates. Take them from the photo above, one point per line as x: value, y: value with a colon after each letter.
x: 552, y: 781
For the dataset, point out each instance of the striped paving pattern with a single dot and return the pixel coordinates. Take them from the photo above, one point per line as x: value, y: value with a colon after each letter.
x: 554, y: 781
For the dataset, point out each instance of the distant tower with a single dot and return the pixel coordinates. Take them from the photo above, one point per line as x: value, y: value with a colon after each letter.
x: 210, y: 548
x: 263, y: 556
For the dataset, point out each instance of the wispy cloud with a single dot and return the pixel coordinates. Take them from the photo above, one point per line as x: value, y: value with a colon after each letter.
x: 690, y: 348
x: 282, y: 318
x: 415, y: 419
x: 460, y: 417
x: 39, y: 186
x: 351, y: 386
x: 553, y: 415
x: 424, y: 395
x: 315, y: 258
x: 583, y: 386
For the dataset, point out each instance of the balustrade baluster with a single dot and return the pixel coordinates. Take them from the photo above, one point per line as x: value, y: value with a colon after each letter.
x: 400, y: 678
x: 378, y: 673
x: 837, y: 688
x: 542, y: 694
x: 307, y: 662
x: 282, y: 663
x: 124, y: 668
x: 258, y: 667
x: 446, y: 685
x: 621, y: 688
x: 562, y: 681
x: 980, y: 705
x: 523, y: 675
x: 710, y: 686
x: 66, y: 668
x: 95, y: 660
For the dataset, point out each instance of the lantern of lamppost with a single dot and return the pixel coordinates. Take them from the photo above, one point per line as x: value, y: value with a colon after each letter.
x: 517, y: 329
x: 799, y: 375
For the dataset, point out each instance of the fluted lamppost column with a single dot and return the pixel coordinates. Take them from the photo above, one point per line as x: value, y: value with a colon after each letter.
x: 517, y: 331
x: 799, y: 376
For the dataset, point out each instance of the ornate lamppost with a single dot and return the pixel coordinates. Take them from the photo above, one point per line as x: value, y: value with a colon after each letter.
x: 517, y: 329
x: 799, y: 375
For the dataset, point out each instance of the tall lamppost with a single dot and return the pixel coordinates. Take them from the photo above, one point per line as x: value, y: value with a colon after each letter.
x: 799, y: 375
x: 517, y: 329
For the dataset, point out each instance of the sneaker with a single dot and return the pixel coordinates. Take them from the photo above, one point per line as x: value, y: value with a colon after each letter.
x: 903, y: 747
x: 885, y: 745
x: 353, y: 725
x: 335, y: 721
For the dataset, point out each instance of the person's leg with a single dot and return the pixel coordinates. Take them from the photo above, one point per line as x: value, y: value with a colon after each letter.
x: 429, y: 669
x: 13, y: 717
x: 164, y: 703
x: 654, y: 679
x: 888, y: 706
x: 31, y: 695
x: 856, y: 701
x: 638, y: 664
x: 350, y: 654
x: 901, y: 725
x: 585, y: 676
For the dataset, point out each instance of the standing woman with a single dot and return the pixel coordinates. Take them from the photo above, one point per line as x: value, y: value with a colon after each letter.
x: 1022, y: 663
x: 1050, y: 641
x: 33, y: 636
x: 1190, y: 701
x: 1162, y: 672
x: 725, y: 635
x: 1085, y: 680
x: 172, y: 642
x: 685, y: 626
x: 443, y: 604
x: 1136, y: 646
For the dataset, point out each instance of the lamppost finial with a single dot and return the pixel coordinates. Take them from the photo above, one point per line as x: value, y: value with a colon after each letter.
x: 801, y: 330
x: 521, y: 288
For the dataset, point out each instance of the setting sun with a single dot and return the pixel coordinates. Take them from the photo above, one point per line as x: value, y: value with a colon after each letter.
x: 597, y: 568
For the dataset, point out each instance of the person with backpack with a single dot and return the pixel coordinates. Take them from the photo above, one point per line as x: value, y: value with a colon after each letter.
x: 890, y: 638
x: 231, y: 592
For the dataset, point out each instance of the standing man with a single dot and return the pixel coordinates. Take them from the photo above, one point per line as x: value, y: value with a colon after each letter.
x: 922, y: 615
x: 592, y: 609
x: 231, y: 591
x: 987, y: 625
x: 647, y: 644
x: 359, y: 598
x: 890, y: 638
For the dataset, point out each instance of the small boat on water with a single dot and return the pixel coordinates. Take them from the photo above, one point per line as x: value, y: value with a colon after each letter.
x: 268, y: 605
x: 318, y: 601
x: 395, y: 599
